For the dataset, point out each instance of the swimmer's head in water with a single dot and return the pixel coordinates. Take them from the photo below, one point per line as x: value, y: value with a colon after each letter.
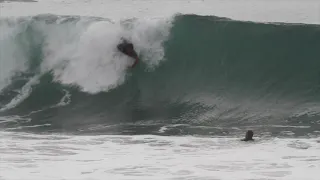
x: 249, y: 136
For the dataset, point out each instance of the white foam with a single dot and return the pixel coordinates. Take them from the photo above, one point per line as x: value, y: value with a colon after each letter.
x: 22, y: 94
x: 65, y: 100
x: 82, y: 53
x: 28, y: 127
x: 15, y: 118
x: 86, y: 55
x: 44, y: 157
x: 12, y: 52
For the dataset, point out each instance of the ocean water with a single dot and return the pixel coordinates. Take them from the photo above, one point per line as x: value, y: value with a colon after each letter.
x: 70, y: 108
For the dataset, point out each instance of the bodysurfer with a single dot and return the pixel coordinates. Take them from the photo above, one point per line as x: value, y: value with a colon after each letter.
x: 249, y: 136
x: 127, y: 48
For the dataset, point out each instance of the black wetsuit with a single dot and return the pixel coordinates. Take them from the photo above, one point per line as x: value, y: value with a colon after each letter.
x: 249, y: 136
x: 123, y: 46
x: 127, y: 48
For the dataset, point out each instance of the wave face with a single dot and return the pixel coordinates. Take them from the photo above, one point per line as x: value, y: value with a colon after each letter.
x: 198, y: 75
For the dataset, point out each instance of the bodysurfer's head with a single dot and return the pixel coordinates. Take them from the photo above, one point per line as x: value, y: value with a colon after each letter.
x: 127, y: 48
x: 249, y: 136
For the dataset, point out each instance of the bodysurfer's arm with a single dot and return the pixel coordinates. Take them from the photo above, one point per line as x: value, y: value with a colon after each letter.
x: 134, y: 55
x: 135, y: 62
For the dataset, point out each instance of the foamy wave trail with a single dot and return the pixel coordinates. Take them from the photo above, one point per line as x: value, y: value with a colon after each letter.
x: 198, y: 75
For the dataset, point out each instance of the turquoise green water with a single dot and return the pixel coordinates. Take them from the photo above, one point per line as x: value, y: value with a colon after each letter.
x: 217, y: 73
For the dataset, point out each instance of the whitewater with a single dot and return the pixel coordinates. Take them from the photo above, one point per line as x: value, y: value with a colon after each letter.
x: 70, y: 108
